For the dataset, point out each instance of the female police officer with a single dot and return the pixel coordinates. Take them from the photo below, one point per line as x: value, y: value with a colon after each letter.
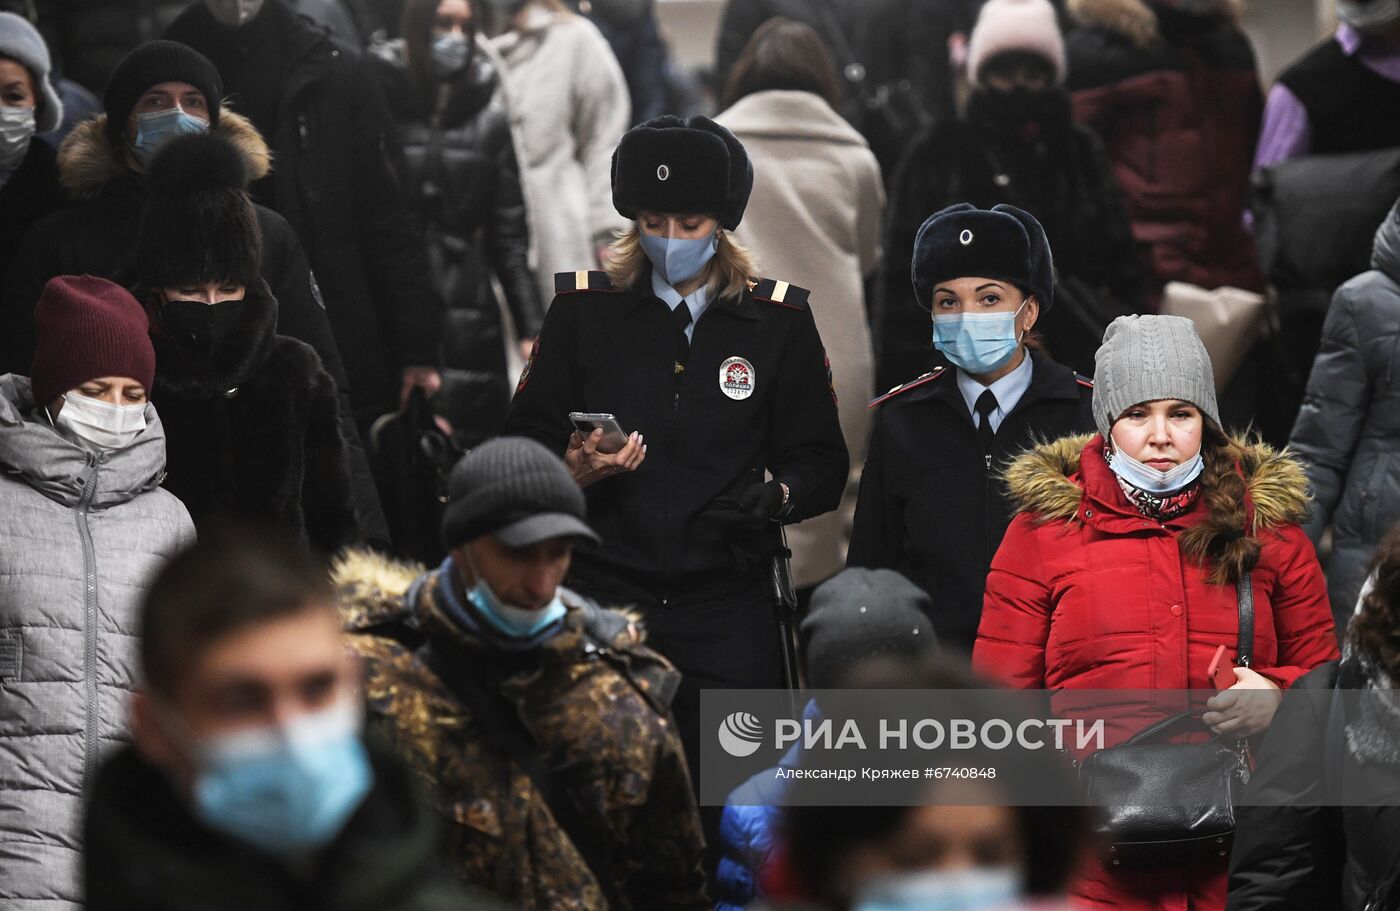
x: 930, y: 502
x: 719, y: 378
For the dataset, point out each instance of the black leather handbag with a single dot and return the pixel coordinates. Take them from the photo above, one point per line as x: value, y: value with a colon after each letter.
x: 1170, y: 803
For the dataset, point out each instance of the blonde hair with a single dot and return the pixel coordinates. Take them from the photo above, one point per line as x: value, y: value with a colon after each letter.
x: 728, y: 274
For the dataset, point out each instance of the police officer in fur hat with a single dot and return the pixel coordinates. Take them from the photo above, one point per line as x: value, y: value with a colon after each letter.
x: 931, y: 504
x: 725, y: 374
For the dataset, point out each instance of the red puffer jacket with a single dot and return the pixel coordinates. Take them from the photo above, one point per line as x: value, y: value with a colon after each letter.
x: 1085, y: 593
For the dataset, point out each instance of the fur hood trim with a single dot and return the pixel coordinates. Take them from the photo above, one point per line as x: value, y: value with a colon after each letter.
x: 1134, y: 19
x: 1040, y: 481
x: 87, y: 161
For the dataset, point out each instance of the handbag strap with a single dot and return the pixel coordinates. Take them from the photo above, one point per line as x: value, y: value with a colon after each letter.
x: 1244, y: 650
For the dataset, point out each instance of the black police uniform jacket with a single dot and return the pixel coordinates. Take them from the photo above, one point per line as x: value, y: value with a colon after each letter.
x: 608, y: 350
x: 932, y: 505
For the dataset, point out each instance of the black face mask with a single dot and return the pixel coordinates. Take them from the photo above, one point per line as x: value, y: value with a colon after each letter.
x: 199, y: 327
x: 1020, y: 113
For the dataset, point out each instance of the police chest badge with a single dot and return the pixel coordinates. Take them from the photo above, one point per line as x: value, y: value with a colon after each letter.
x: 736, y: 378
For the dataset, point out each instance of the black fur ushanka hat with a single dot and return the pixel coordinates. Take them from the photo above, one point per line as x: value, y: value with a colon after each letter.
x: 682, y: 167
x: 1003, y: 242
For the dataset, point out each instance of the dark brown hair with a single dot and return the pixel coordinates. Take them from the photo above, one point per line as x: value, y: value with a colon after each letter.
x: 416, y: 26
x: 1376, y: 629
x: 788, y: 55
x: 1224, y: 541
x: 233, y: 578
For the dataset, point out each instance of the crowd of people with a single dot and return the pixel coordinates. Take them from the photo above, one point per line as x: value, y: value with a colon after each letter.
x: 409, y: 408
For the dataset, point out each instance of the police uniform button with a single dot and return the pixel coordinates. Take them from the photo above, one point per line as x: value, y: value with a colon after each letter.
x: 965, y: 238
x: 663, y: 172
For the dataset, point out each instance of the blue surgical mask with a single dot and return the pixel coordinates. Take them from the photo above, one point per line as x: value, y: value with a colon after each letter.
x: 1152, y: 480
x: 285, y: 788
x: 509, y: 620
x: 975, y: 889
x: 153, y: 130
x: 677, y: 259
x: 977, y: 343
x: 450, y: 53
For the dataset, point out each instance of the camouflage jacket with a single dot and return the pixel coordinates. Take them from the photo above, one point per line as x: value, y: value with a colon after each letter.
x: 599, y: 711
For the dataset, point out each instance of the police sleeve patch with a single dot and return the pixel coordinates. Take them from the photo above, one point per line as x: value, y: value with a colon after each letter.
x: 781, y: 293
x: 525, y: 374
x: 574, y: 282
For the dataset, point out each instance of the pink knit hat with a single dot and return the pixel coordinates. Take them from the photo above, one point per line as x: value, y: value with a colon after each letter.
x: 1016, y: 25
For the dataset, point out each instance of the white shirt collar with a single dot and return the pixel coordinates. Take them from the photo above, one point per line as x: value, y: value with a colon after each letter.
x: 1008, y: 390
x: 698, y: 300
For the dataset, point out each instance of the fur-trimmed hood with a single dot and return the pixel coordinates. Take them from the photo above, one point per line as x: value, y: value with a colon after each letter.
x: 1135, y: 19
x: 87, y: 160
x: 1045, y: 481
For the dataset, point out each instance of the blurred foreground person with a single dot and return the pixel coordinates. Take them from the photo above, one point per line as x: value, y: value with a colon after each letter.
x: 444, y: 88
x: 931, y: 497
x: 249, y: 784
x: 28, y: 105
x: 959, y: 844
x: 85, y: 525
x: 539, y: 720
x: 1136, y: 553
x: 1016, y: 143
x: 815, y: 216
x: 252, y: 416
x: 855, y: 615
x: 1312, y: 843
x: 1344, y: 433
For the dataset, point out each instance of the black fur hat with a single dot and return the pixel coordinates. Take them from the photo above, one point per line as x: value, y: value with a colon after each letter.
x: 1002, y: 242
x: 198, y: 224
x: 682, y: 167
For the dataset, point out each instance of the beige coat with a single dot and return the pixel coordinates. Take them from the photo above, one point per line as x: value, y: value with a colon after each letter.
x: 569, y: 108
x: 814, y: 220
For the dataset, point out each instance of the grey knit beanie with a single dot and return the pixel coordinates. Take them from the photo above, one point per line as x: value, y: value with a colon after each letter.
x: 515, y: 490
x: 859, y: 613
x: 1147, y: 358
x: 22, y: 43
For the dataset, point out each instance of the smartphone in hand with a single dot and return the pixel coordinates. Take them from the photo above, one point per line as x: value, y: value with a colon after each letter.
x: 1221, y: 673
x: 613, y: 437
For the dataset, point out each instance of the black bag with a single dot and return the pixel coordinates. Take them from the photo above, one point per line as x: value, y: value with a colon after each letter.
x: 411, y: 459
x: 1170, y: 803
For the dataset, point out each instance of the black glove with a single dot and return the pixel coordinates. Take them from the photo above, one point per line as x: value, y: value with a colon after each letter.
x: 761, y: 502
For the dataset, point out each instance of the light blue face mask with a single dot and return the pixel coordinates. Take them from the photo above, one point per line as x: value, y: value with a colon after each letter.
x: 285, y: 789
x: 977, y: 343
x: 677, y: 259
x: 450, y: 53
x: 508, y: 620
x: 1152, y: 480
x: 155, y: 129
x: 977, y: 889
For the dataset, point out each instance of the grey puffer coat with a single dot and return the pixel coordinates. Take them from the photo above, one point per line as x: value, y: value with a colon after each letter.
x: 81, y: 535
x: 1348, y: 432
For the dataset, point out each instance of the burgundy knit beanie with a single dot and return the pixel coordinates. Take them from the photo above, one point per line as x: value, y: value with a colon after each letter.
x: 88, y: 327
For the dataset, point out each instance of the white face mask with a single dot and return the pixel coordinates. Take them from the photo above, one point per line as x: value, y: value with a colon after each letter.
x: 1154, y: 480
x: 234, y: 13
x: 102, y: 424
x: 975, y: 889
x: 16, y: 129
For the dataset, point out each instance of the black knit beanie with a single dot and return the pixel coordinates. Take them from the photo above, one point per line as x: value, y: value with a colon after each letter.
x: 198, y: 224
x: 515, y: 490
x: 151, y: 64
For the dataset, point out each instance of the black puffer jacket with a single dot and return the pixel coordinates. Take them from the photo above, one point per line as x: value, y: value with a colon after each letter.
x: 463, y: 180
x: 31, y: 193
x: 1294, y: 847
x: 97, y: 235
x: 332, y: 139
x: 1056, y: 170
x: 252, y: 429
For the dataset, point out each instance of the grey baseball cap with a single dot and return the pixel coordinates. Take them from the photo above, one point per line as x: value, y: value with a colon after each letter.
x: 515, y: 490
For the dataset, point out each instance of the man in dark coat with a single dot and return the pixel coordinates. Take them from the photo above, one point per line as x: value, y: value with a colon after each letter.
x: 335, y: 182
x: 540, y: 720
x: 249, y: 784
x: 97, y: 235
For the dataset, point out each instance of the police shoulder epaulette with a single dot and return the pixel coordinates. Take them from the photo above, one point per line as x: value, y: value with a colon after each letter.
x: 781, y: 293
x: 572, y: 282
x: 929, y: 377
x: 1084, y: 381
